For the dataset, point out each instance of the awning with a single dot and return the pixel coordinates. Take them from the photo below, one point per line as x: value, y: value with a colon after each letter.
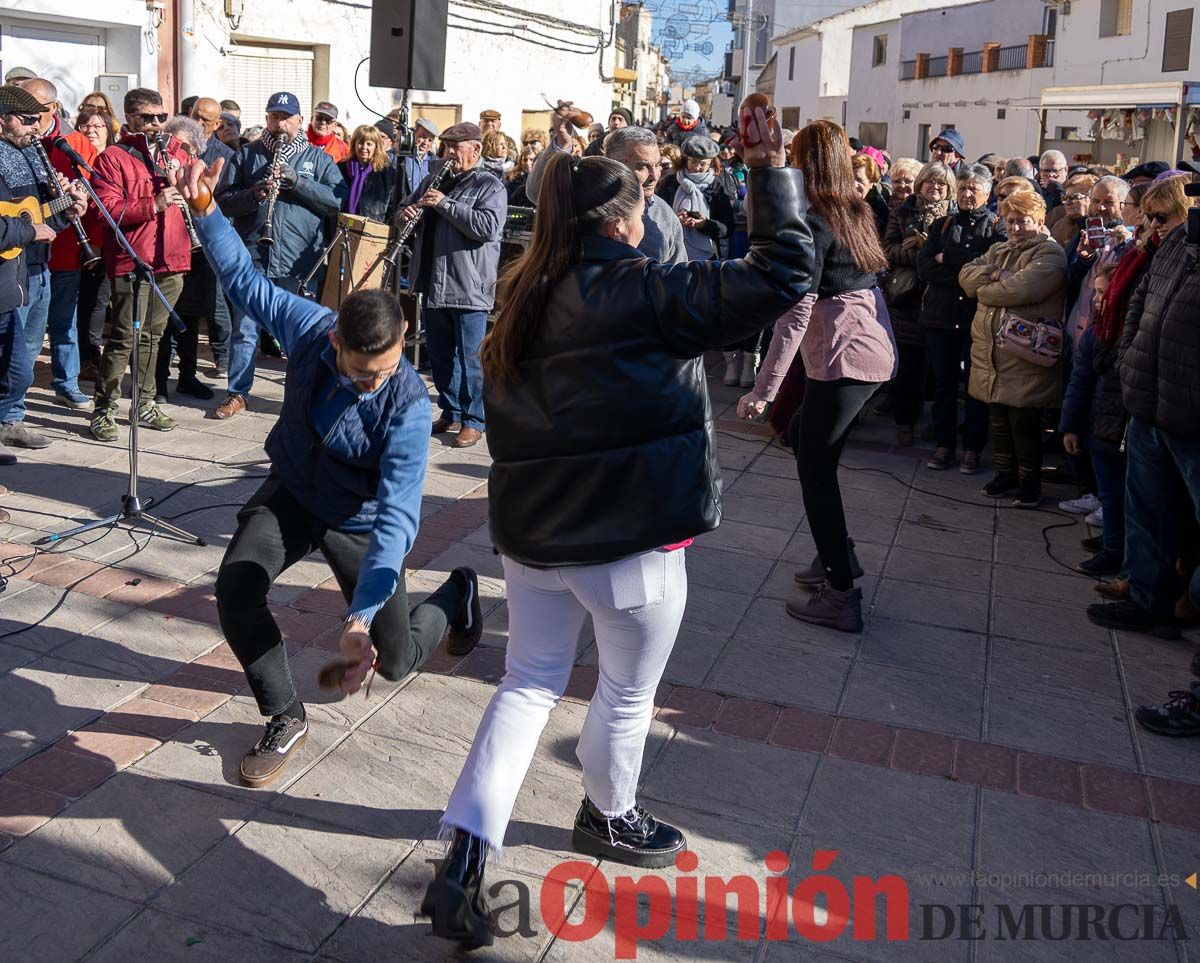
x: 1114, y: 96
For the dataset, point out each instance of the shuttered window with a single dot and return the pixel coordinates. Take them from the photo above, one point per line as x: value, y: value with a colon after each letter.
x: 256, y: 72
x: 1116, y: 18
x: 1177, y: 40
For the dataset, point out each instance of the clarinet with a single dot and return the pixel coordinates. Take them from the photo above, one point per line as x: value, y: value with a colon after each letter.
x: 88, y: 258
x: 266, y: 236
x: 184, y: 207
x: 406, y: 230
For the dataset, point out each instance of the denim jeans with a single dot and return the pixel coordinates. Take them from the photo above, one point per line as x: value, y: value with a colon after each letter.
x: 16, y: 368
x: 950, y: 365
x: 33, y: 324
x: 636, y: 606
x: 1109, y: 468
x: 452, y: 339
x: 818, y: 434
x: 1154, y: 505
x: 64, y: 332
x: 220, y: 327
x: 243, y: 352
x: 274, y: 532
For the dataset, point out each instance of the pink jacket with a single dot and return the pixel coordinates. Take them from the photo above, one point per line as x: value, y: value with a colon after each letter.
x: 846, y: 335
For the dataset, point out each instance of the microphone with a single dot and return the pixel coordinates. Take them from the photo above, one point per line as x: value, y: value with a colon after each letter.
x: 73, y: 155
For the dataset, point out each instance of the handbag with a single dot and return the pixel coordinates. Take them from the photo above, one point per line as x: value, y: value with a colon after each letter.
x: 1039, y: 342
x: 899, y: 286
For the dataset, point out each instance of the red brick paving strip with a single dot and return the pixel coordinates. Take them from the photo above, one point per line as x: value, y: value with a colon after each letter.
x: 23, y: 808
x: 1176, y: 802
x: 1115, y: 791
x: 803, y: 729
x: 1049, y: 778
x: 982, y: 764
x: 102, y: 740
x: 64, y: 773
x: 861, y: 741
x: 925, y: 753
x: 746, y: 718
x: 158, y: 720
x: 695, y: 708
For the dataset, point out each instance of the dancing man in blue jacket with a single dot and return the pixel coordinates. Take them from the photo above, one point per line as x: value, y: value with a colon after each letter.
x: 347, y: 469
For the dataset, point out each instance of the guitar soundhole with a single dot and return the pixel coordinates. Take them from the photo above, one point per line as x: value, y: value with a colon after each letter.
x: 25, y: 215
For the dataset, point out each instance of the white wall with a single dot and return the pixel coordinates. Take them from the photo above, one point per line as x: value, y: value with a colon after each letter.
x: 874, y: 94
x: 1082, y: 56
x: 482, y: 71
x: 1004, y: 21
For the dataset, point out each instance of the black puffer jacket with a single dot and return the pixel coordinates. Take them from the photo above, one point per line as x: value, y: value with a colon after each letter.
x: 906, y: 221
x: 959, y: 238
x: 1160, y: 346
x: 378, y: 200
x: 603, y: 446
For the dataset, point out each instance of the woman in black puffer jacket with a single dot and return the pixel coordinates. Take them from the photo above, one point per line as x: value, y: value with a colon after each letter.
x: 604, y: 466
x: 946, y: 315
x: 907, y: 231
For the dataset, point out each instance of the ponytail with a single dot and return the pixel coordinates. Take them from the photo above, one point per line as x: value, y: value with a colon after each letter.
x: 575, y: 198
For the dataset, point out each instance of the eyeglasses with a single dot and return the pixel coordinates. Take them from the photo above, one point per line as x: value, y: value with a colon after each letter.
x: 1158, y: 217
x: 1053, y: 170
x: 1076, y: 197
x: 150, y: 118
x: 368, y: 379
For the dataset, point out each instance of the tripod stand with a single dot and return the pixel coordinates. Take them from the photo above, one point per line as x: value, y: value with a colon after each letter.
x: 133, y: 509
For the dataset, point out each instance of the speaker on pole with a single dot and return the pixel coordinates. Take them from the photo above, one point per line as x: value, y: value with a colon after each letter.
x: 408, y: 44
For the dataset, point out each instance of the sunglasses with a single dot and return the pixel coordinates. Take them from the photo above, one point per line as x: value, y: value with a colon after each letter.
x: 29, y: 120
x: 149, y: 118
x: 941, y: 149
x: 1158, y: 217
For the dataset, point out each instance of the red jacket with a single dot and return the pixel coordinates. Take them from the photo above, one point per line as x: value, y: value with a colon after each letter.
x: 64, y: 250
x: 126, y: 186
x: 339, y: 150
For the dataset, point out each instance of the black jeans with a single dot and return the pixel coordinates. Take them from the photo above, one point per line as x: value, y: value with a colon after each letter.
x: 908, y: 387
x: 186, y: 343
x: 95, y: 289
x: 1017, y: 441
x: 274, y: 531
x: 950, y: 363
x: 818, y: 434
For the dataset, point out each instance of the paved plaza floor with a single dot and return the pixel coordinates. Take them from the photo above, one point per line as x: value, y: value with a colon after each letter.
x: 975, y: 742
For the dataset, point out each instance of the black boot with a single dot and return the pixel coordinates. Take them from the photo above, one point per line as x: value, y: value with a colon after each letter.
x: 635, y: 838
x: 1002, y: 484
x: 454, y: 901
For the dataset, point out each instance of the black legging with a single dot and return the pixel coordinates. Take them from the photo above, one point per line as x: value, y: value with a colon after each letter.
x: 818, y: 433
x: 95, y: 288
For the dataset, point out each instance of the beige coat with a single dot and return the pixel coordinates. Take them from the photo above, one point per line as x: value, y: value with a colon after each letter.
x: 1035, y: 290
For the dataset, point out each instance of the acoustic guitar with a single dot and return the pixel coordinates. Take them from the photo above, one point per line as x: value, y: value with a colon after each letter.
x: 35, y: 212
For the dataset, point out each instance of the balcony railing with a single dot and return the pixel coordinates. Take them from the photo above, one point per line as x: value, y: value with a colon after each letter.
x: 1014, y: 57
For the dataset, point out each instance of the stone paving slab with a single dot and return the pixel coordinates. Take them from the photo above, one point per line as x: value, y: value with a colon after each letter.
x: 979, y: 722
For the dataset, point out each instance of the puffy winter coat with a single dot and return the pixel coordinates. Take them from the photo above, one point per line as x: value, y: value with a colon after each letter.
x: 959, y: 238
x: 906, y: 221
x: 1160, y: 346
x: 1033, y: 286
x: 603, y: 445
x: 1092, y: 407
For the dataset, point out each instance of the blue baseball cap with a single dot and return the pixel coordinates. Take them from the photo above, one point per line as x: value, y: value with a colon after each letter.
x: 283, y: 103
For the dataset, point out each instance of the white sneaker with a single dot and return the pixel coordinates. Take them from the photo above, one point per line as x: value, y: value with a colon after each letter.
x: 1096, y: 518
x: 733, y: 368
x: 1081, y: 505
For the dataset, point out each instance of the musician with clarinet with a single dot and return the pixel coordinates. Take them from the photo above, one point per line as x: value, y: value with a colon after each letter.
x: 278, y: 192
x: 131, y: 180
x: 456, y: 254
x: 22, y: 178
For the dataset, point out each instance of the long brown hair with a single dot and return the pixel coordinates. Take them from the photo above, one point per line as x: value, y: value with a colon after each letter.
x: 576, y: 196
x: 822, y: 152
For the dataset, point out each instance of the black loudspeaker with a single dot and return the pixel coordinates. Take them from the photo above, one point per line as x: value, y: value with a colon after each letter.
x: 408, y: 44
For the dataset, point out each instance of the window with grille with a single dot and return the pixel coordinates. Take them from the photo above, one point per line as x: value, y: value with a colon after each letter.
x: 1177, y: 40
x: 1116, y: 18
x: 874, y: 134
x: 256, y: 72
x: 879, y: 51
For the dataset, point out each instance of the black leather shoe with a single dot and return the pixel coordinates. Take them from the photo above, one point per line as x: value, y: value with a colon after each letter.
x: 635, y: 838
x: 1002, y: 484
x: 454, y: 901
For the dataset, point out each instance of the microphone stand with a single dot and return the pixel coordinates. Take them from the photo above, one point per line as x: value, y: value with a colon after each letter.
x: 133, y: 509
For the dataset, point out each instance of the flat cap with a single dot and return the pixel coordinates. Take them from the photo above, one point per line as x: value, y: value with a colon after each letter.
x: 489, y: 114
x: 461, y: 132
x: 18, y: 100
x: 428, y: 124
x: 700, y: 146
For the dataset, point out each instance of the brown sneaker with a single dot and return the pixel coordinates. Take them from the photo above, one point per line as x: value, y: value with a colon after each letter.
x: 970, y: 463
x: 1117, y: 590
x: 906, y: 436
x: 262, y: 764
x: 831, y: 608
x: 232, y: 405
x: 467, y: 437
x: 941, y: 459
x: 444, y: 425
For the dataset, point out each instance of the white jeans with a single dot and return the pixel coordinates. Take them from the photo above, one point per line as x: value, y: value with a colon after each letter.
x: 636, y: 606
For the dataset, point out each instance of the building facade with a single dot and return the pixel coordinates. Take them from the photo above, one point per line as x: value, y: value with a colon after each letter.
x: 500, y: 58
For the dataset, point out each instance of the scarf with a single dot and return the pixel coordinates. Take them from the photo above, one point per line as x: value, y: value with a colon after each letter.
x: 683, y: 126
x: 930, y: 211
x: 358, y: 180
x: 497, y: 165
x: 690, y: 197
x: 293, y: 149
x: 316, y: 139
x: 1111, y: 321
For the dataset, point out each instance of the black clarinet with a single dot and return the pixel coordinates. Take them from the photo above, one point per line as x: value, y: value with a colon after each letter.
x: 164, y: 162
x: 266, y: 234
x: 88, y: 258
x: 392, y: 254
